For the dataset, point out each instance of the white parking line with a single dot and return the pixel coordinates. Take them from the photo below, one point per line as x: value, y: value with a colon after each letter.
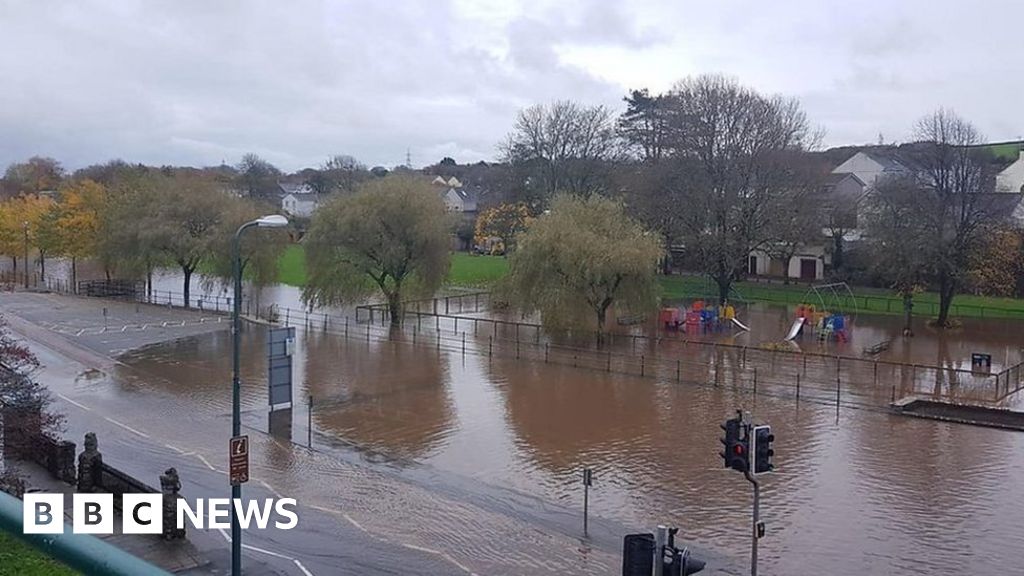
x: 205, y: 461
x: 298, y: 564
x: 126, y: 427
x: 69, y: 400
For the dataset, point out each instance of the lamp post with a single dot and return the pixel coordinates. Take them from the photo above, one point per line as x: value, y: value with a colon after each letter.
x: 24, y: 226
x: 272, y: 221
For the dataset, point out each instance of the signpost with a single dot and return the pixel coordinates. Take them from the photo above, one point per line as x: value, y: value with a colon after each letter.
x: 238, y: 460
x: 280, y: 345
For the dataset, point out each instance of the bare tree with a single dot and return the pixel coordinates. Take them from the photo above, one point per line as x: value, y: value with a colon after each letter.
x: 340, y: 173
x: 899, y: 246
x: 952, y: 177
x: 737, y: 145
x: 562, y: 147
x: 36, y: 174
x: 257, y: 177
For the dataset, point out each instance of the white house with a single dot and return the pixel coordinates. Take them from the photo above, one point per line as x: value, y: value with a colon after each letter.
x: 301, y: 205
x: 1011, y: 179
x: 868, y: 166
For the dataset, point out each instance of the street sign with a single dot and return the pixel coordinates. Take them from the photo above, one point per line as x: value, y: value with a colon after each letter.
x: 238, y: 460
x: 280, y: 347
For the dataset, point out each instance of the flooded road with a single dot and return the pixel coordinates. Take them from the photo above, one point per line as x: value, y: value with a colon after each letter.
x: 865, y: 493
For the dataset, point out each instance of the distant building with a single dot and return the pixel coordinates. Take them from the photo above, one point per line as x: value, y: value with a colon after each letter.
x: 460, y: 200
x: 301, y: 205
x: 1011, y: 178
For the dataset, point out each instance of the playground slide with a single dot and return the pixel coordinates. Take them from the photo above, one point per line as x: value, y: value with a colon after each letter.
x: 740, y: 325
x: 795, y: 328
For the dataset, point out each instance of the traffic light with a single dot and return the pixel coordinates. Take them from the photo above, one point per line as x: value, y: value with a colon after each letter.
x: 762, y: 439
x: 735, y: 454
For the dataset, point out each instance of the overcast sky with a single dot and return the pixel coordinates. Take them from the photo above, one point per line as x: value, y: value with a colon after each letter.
x: 200, y: 82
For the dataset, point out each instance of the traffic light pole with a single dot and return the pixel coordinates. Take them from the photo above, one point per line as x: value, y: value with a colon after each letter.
x: 757, y: 519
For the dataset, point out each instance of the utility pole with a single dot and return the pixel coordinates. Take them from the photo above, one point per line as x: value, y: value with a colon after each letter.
x: 24, y: 225
x: 756, y: 528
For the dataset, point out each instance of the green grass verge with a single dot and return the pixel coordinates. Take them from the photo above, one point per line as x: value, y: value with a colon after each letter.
x: 863, y: 299
x: 467, y: 270
x: 291, y: 268
x: 482, y: 271
x: 1009, y: 151
x: 20, y: 559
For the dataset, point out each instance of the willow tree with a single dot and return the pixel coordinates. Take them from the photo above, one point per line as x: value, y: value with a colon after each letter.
x: 581, y: 258
x: 390, y: 238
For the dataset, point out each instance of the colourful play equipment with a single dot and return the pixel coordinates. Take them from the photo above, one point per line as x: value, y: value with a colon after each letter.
x: 699, y: 318
x: 830, y: 318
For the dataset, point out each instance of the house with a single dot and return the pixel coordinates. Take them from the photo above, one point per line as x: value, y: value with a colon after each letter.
x: 460, y: 200
x: 868, y: 166
x: 1011, y: 178
x: 300, y: 205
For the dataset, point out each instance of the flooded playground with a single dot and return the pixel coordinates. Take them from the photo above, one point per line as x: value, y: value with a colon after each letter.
x: 857, y: 489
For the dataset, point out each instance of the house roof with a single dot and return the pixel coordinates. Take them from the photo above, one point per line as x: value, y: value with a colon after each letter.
x: 834, y: 178
x: 297, y: 188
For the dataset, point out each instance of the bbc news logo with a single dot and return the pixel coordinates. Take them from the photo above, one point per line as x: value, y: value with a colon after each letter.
x: 143, y: 513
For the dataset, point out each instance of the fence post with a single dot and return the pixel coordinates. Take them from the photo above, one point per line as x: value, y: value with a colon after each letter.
x: 641, y: 365
x: 456, y: 329
x: 463, y: 344
x: 876, y: 372
x: 517, y: 349
x: 346, y: 327
x: 893, y: 399
x: 608, y: 365
x: 309, y: 423
x: 545, y: 352
x: 490, y: 342
x: 755, y: 380
x: 367, y: 333
x: 798, y: 386
x: 677, y: 369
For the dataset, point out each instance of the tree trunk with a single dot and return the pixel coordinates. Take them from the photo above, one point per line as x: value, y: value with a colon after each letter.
x: 600, y: 325
x: 149, y: 283
x: 186, y: 289
x: 42, y: 266
x: 395, y: 307
x: 74, y: 275
x: 724, y: 286
x: 14, y: 262
x: 946, y: 293
x: 908, y: 314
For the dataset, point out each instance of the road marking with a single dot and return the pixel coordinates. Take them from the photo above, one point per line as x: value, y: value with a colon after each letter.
x: 126, y: 427
x: 295, y: 561
x: 175, y: 448
x: 205, y: 461
x: 269, y: 487
x: 66, y: 399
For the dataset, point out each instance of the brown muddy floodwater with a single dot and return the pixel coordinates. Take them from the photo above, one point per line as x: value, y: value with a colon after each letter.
x: 856, y: 490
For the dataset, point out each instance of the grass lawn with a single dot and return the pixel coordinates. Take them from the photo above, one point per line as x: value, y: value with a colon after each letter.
x: 19, y: 559
x: 1009, y: 151
x: 467, y: 270
x: 481, y: 271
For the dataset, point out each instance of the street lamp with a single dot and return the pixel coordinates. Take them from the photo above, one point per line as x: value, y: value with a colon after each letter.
x: 24, y: 225
x: 271, y: 221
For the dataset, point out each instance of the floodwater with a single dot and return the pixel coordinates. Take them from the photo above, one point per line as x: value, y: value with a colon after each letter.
x: 856, y: 490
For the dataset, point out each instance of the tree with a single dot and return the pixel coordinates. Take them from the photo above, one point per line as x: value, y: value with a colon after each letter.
x: 952, y: 176
x: 26, y: 403
x: 564, y: 146
x: 503, y: 222
x: 391, y: 238
x: 735, y: 147
x: 997, y: 266
x: 35, y: 175
x: 21, y: 220
x: 577, y: 261
x: 259, y: 252
x: 447, y: 161
x: 899, y: 245
x: 645, y: 124
x: 74, y: 226
x: 257, y: 178
x: 340, y: 173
